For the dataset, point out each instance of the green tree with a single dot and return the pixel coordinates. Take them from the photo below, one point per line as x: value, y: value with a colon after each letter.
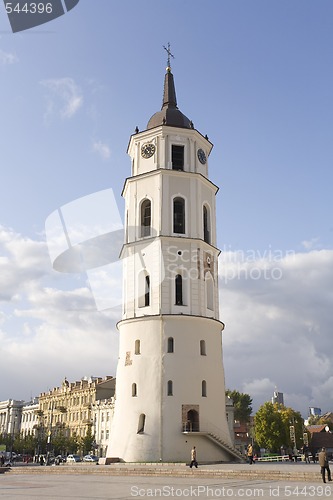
x: 73, y: 444
x: 270, y: 430
x: 60, y: 442
x: 242, y: 404
x: 87, y: 441
x: 272, y: 427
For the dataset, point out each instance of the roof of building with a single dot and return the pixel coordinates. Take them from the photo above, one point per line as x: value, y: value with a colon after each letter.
x: 328, y: 415
x: 316, y: 428
x: 170, y: 114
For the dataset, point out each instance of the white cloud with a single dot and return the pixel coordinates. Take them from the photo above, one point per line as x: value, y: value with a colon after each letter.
x: 311, y: 244
x: 7, y: 58
x: 23, y: 263
x: 48, y: 332
x: 279, y: 330
x: 102, y: 149
x: 64, y: 98
x: 259, y: 387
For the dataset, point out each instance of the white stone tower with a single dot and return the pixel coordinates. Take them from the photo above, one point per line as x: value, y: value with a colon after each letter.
x: 170, y: 391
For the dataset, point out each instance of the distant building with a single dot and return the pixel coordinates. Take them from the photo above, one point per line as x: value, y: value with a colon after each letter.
x: 29, y: 418
x: 70, y: 407
x: 314, y: 412
x: 102, y: 411
x: 230, y: 413
x: 10, y: 416
x: 320, y: 439
x: 75, y: 409
x: 243, y: 435
x: 278, y: 398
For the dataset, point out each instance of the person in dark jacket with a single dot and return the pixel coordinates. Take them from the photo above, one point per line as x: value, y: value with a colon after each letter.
x: 324, y: 466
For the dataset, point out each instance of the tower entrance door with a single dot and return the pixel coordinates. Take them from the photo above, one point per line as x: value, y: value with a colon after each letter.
x: 193, y: 421
x: 190, y: 418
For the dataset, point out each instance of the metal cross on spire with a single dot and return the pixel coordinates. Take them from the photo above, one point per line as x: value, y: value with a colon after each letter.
x: 169, y: 55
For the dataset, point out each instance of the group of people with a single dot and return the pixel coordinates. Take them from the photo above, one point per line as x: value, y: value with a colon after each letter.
x: 322, y: 459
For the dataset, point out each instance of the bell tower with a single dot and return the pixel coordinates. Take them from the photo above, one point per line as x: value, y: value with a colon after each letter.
x: 170, y: 390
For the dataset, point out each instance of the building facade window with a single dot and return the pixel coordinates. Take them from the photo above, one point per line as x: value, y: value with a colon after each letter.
x: 179, y: 290
x: 134, y: 390
x: 177, y: 157
x: 179, y: 215
x: 204, y: 389
x: 203, y: 347
x: 170, y: 344
x: 170, y: 388
x: 142, y: 422
x: 147, y: 290
x: 137, y: 347
x: 144, y: 289
x: 206, y: 224
x: 145, y: 216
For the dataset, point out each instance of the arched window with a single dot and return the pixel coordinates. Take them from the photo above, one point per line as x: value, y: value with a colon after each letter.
x: 179, y: 215
x: 203, y: 347
x: 179, y: 290
x: 147, y: 290
x: 209, y: 283
x: 141, y: 425
x: 137, y: 347
x: 170, y: 344
x: 206, y: 224
x: 204, y: 389
x: 134, y: 390
x: 145, y: 218
x: 144, y: 289
x: 170, y: 388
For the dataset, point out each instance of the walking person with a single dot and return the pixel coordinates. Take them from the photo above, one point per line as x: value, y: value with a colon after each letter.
x: 324, y: 466
x: 250, y: 454
x: 194, y: 458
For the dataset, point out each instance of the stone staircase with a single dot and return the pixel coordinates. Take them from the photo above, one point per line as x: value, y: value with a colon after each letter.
x: 267, y: 472
x: 4, y: 469
x: 230, y: 449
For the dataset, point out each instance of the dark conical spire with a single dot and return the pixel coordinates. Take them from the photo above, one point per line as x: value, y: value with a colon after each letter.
x: 170, y: 114
x: 169, y: 94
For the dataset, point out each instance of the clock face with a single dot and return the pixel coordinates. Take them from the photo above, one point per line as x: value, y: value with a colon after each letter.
x: 147, y: 150
x: 201, y: 156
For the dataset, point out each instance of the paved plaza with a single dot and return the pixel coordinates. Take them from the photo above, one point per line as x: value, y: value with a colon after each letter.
x: 130, y: 482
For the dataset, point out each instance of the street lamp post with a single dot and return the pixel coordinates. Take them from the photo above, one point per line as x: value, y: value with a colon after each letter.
x: 61, y: 409
x: 12, y: 439
x: 49, y: 434
x: 293, y: 436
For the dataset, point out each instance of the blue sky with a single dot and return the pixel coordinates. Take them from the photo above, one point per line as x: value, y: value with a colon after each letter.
x: 257, y: 78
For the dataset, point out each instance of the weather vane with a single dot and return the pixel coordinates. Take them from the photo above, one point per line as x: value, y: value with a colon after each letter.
x: 169, y: 55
